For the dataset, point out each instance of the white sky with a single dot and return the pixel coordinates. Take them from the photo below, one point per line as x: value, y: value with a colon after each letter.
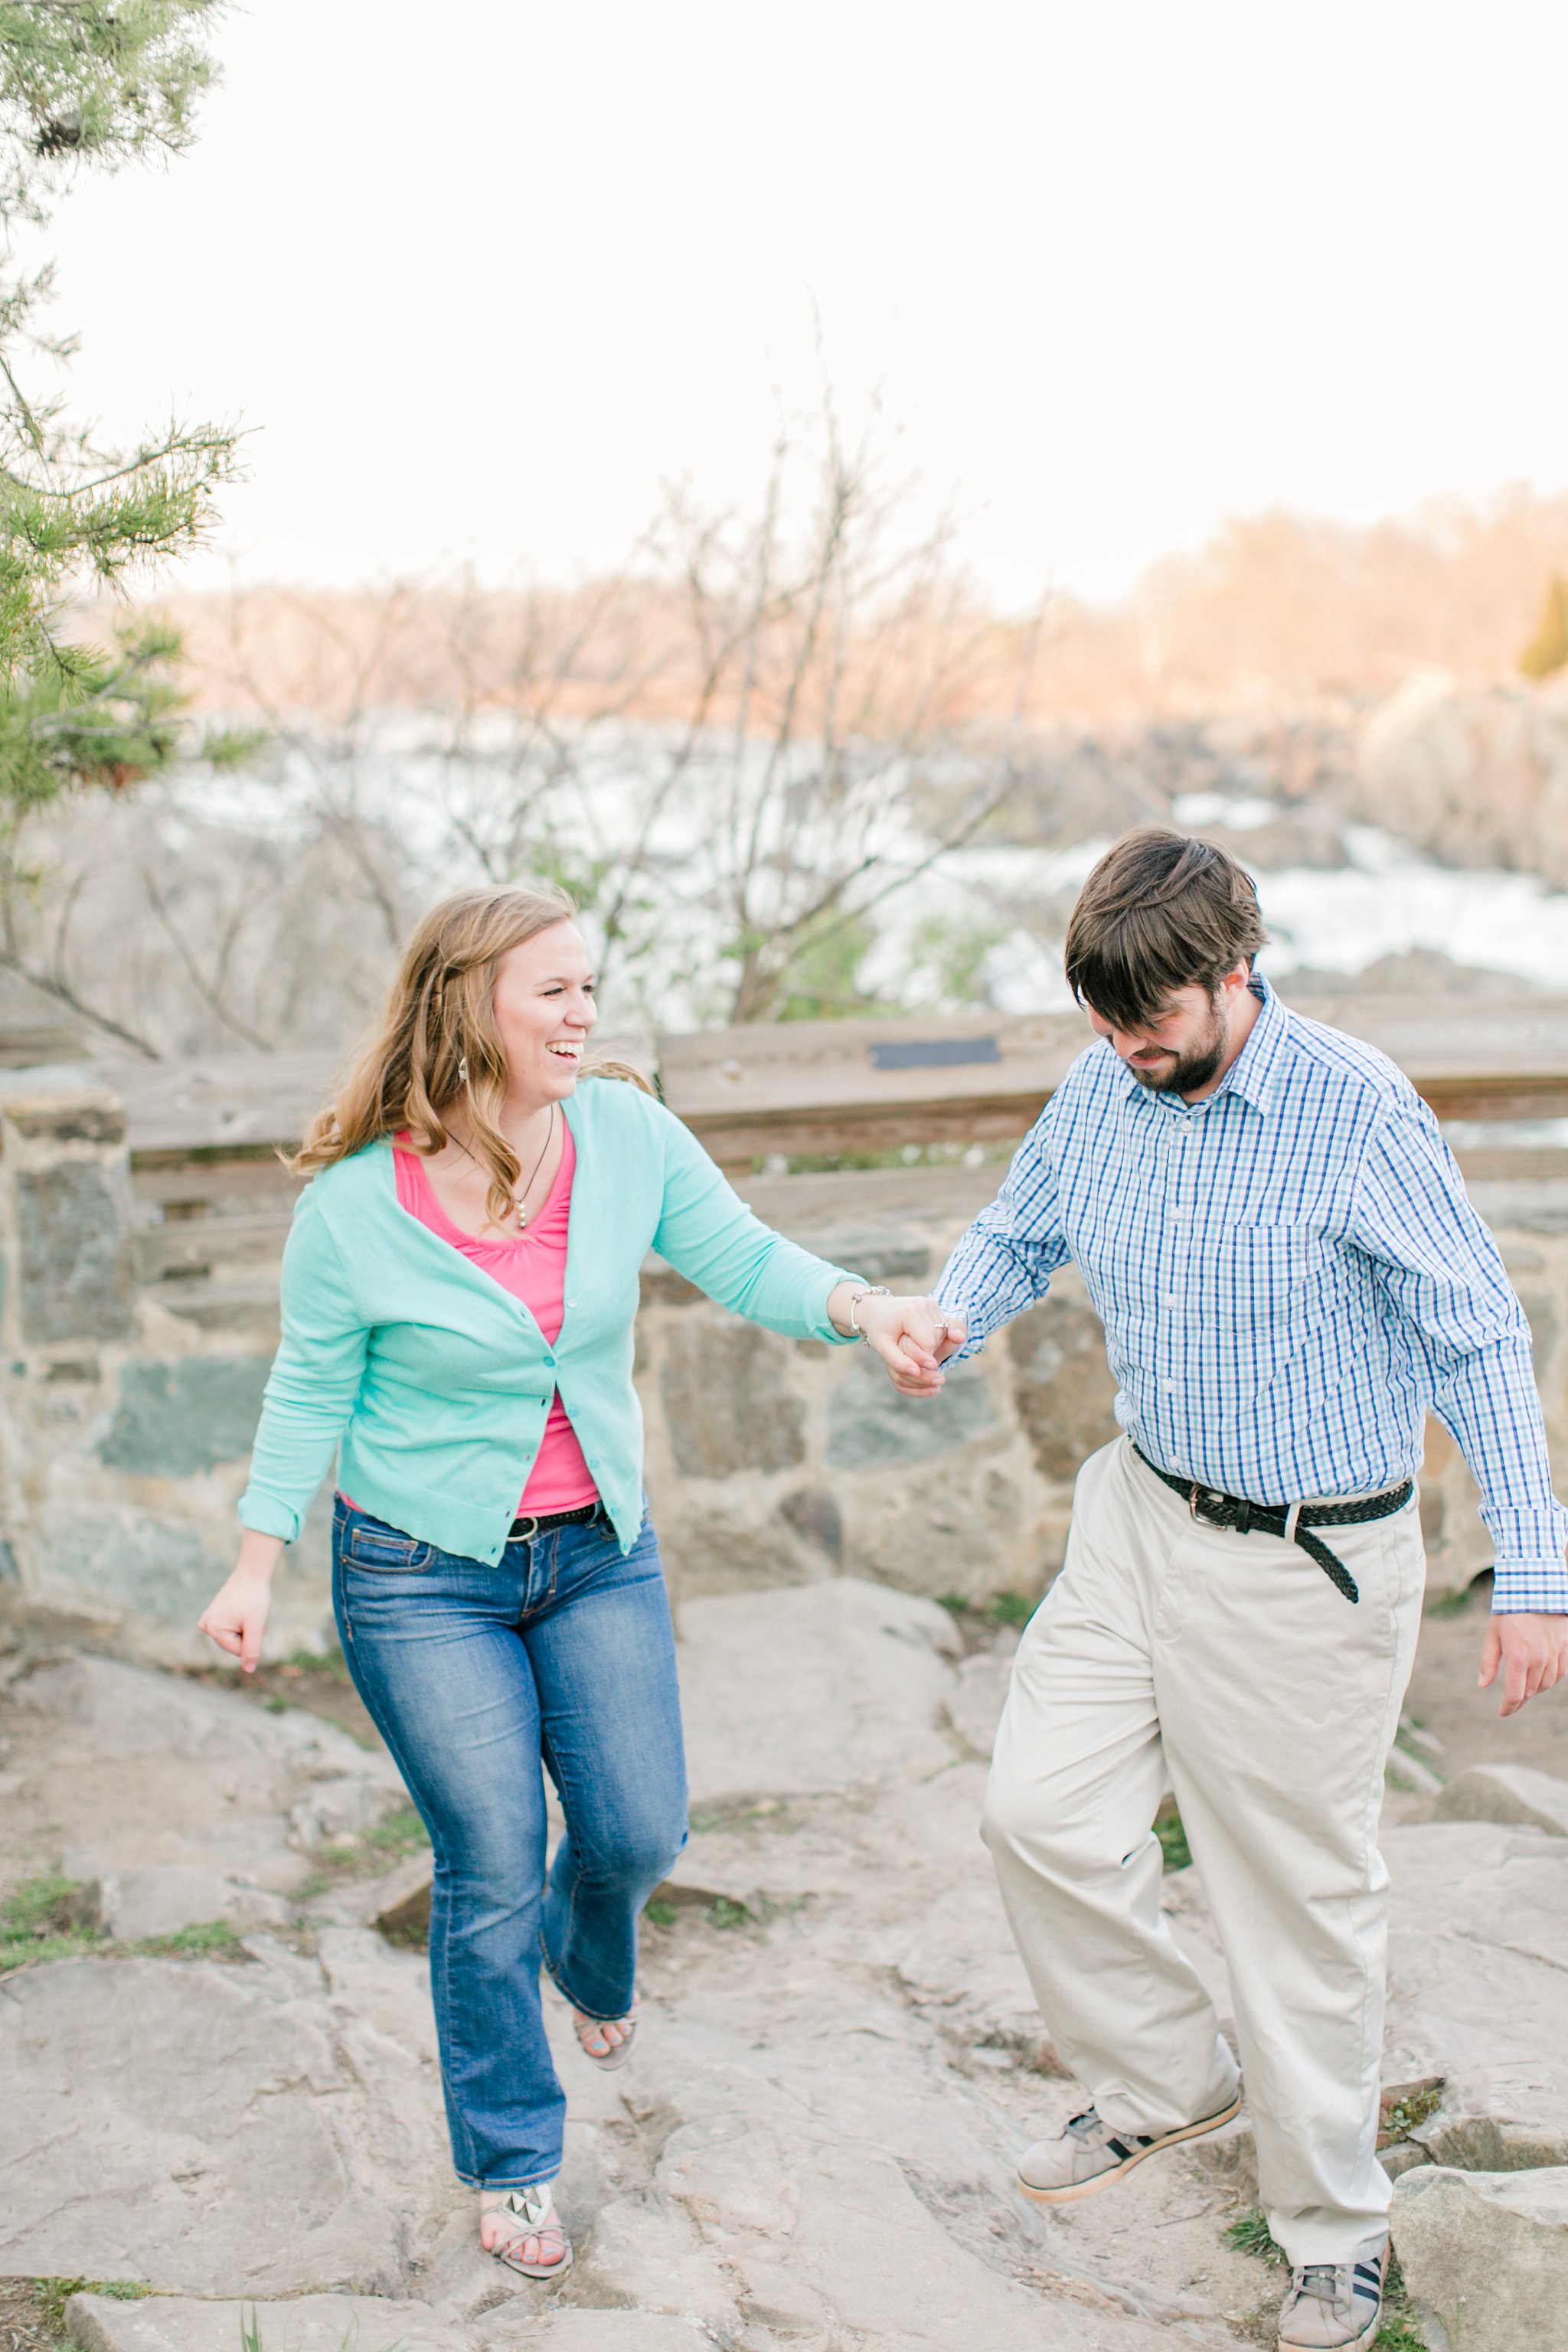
x: 482, y: 276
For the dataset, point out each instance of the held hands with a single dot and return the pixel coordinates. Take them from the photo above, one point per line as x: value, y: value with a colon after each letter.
x: 1532, y: 1649
x: 914, y: 1340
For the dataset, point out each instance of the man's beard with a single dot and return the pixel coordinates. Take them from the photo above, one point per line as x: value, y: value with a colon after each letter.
x: 1188, y: 1071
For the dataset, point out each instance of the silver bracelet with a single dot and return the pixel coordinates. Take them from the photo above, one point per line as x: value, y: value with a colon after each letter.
x: 869, y: 1290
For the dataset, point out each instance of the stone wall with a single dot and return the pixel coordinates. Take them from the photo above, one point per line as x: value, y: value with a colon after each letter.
x: 134, y: 1366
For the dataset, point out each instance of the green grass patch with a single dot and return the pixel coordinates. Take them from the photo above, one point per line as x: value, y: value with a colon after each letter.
x: 1458, y: 1604
x: 52, y: 2295
x: 1249, y: 2233
x: 662, y: 1915
x: 1002, y: 1609
x: 401, y: 1835
x: 36, y: 1923
x: 330, y: 1663
x: 205, y: 1940
x: 769, y: 1810
x: 1173, y: 1837
x: 725, y: 1913
x: 395, y: 1839
x: 1406, y: 2115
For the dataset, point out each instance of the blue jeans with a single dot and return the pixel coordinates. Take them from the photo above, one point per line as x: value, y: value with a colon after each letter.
x: 560, y: 1656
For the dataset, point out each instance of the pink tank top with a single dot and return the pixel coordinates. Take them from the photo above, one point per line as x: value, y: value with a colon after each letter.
x: 533, y: 1266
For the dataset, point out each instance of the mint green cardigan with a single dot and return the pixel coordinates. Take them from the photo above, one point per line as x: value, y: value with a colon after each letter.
x: 432, y: 1383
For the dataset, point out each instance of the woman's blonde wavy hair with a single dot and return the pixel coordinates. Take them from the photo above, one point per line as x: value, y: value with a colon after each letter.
x: 438, y: 1044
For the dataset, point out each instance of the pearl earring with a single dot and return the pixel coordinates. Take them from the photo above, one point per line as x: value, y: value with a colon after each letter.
x: 463, y: 1071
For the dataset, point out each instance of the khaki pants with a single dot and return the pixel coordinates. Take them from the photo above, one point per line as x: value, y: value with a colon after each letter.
x: 1232, y: 1666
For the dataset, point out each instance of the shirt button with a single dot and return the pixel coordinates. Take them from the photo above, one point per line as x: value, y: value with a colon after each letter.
x: 1172, y: 1301
x: 1169, y: 1387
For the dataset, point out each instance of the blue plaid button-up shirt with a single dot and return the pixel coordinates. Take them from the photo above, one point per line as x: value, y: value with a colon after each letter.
x: 1288, y: 1273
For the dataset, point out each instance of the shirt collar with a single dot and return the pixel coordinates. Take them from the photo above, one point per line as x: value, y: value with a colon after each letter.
x: 1256, y: 1073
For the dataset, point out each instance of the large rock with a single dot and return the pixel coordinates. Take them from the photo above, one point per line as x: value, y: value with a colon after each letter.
x: 1483, y: 2143
x: 1509, y: 1793
x: 1477, y: 1942
x: 871, y: 1424
x: 129, y: 1905
x: 727, y: 1398
x: 73, y: 1235
x: 217, y: 1777
x: 187, y: 1415
x: 277, y: 2123
x: 311, y: 2323
x: 1485, y: 2257
x: 1061, y: 1381
x: 117, y: 1711
x: 816, y: 1688
x: 1477, y: 775
x: 111, y: 1557
x: 327, y: 2322
x: 975, y: 1707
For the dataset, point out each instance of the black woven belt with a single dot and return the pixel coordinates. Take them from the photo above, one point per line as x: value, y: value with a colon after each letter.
x: 1215, y: 1510
x: 525, y: 1530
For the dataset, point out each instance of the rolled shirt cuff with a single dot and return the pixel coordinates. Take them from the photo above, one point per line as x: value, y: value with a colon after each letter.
x: 265, y: 1515
x: 977, y: 1340
x: 1536, y: 1585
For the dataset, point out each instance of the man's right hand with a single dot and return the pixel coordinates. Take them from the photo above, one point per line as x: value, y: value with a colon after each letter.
x: 915, y: 1367
x: 1532, y: 1649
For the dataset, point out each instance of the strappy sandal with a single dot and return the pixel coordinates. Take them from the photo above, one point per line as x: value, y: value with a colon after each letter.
x: 535, y: 2210
x: 619, y: 2051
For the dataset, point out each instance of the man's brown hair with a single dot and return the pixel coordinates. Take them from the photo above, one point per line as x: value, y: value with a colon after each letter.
x: 1160, y: 911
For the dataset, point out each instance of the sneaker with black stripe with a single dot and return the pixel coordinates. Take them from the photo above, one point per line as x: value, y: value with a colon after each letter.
x: 1335, y: 2306
x: 1087, y: 2154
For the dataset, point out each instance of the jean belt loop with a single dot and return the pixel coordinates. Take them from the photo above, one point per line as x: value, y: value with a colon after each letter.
x: 1291, y: 1515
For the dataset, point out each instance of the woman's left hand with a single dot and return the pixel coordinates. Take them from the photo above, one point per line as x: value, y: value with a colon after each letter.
x: 913, y: 1336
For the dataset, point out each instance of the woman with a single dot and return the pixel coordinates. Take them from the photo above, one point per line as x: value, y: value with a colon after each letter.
x: 458, y: 1292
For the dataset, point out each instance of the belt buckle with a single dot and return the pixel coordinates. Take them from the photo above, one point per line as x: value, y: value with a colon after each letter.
x: 529, y: 1527
x: 1197, y: 1497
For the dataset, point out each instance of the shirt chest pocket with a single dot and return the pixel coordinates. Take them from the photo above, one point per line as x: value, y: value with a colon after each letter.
x: 1262, y: 1291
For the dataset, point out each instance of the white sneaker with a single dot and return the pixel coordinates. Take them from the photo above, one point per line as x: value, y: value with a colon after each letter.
x: 1335, y: 2306
x: 1089, y: 2154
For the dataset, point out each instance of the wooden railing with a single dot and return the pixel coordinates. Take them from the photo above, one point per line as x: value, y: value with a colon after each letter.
x: 834, y: 1087
x: 216, y: 1200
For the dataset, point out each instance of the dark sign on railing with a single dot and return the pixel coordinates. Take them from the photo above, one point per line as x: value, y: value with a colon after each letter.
x: 933, y: 1053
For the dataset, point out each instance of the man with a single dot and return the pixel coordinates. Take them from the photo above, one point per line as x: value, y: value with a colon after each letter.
x: 1289, y: 1272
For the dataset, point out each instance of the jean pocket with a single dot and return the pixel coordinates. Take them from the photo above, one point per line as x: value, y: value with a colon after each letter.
x: 370, y: 1544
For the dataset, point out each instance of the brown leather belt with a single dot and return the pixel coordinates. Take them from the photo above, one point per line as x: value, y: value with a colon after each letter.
x: 1213, y: 1509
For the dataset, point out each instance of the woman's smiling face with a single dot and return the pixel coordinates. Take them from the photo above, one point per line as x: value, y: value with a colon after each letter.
x: 543, y: 1007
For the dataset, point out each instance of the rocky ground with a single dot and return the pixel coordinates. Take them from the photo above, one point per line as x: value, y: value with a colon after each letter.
x: 222, y: 2088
